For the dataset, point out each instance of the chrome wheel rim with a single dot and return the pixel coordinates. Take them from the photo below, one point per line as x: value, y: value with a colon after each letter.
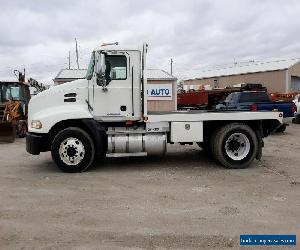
x: 71, y: 151
x: 237, y: 146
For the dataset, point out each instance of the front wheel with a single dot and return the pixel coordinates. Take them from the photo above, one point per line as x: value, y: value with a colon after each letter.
x: 73, y: 150
x: 235, y: 145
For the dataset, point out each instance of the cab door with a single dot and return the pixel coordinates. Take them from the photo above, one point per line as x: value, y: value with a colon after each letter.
x: 114, y: 102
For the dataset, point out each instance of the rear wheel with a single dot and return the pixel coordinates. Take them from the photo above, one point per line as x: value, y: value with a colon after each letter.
x: 73, y: 150
x: 235, y: 145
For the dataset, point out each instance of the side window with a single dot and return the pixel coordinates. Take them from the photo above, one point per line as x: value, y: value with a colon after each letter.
x: 262, y: 97
x: 15, y: 92
x: 254, y: 97
x: 116, y: 67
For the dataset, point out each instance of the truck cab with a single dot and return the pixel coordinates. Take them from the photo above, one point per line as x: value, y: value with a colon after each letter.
x: 244, y: 100
x: 105, y: 115
x: 114, y: 79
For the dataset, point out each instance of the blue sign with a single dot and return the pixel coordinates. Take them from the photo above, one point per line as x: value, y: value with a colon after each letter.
x: 159, y: 91
x: 267, y: 240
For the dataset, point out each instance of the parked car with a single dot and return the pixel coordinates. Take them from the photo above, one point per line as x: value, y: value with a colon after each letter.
x: 258, y: 101
x: 297, y: 113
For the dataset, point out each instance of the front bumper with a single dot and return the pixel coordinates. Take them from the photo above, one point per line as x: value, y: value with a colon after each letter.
x: 34, y: 143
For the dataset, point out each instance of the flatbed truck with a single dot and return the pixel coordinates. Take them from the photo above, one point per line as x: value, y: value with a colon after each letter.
x: 105, y: 115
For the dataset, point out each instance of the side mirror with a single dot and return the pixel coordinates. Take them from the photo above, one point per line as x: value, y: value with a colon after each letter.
x: 100, y: 70
x: 102, y: 64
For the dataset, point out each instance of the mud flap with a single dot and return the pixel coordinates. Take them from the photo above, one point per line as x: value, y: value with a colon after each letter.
x: 7, y: 132
x: 260, y: 145
x: 99, y: 136
x: 259, y: 152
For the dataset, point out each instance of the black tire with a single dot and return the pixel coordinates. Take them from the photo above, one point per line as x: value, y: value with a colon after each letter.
x: 63, y: 159
x: 221, y: 141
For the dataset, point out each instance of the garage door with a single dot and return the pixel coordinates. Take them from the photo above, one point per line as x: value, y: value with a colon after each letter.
x: 295, y: 83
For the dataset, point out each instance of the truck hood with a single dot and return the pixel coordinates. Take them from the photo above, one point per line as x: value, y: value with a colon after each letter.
x: 55, y: 100
x: 65, y: 87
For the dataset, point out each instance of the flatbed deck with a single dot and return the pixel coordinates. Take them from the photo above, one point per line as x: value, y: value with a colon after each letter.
x: 208, y: 115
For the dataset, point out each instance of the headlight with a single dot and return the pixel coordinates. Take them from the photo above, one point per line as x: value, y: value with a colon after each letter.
x: 36, y: 124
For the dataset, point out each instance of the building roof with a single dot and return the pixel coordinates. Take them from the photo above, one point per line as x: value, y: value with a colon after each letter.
x: 253, y: 67
x: 71, y: 74
x: 152, y: 74
x: 158, y: 74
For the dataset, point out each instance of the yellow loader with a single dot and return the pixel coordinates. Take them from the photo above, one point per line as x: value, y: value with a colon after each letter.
x: 14, y: 99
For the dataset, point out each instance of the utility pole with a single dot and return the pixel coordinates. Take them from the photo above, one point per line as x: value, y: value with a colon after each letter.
x: 76, y: 53
x: 234, y: 62
x: 171, y: 66
x: 69, y: 60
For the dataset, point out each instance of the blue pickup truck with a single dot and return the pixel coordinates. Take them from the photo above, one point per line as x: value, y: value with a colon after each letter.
x: 257, y: 101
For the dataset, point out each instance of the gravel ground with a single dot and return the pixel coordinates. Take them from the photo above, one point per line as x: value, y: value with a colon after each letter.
x: 182, y: 201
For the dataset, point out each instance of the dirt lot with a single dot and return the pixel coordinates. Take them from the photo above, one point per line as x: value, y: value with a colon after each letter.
x: 184, y: 200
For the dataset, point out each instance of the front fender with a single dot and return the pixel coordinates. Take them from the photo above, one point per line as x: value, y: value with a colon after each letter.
x: 52, y: 115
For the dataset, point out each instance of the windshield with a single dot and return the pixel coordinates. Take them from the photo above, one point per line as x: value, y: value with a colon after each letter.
x: 231, y: 98
x: 10, y: 92
x: 90, y: 69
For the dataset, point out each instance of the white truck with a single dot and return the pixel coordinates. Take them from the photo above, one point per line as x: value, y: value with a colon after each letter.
x: 105, y: 115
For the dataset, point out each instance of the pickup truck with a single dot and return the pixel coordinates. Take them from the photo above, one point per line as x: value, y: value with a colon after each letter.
x: 258, y: 101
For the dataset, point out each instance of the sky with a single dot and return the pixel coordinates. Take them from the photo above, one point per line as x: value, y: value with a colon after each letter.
x: 38, y: 35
